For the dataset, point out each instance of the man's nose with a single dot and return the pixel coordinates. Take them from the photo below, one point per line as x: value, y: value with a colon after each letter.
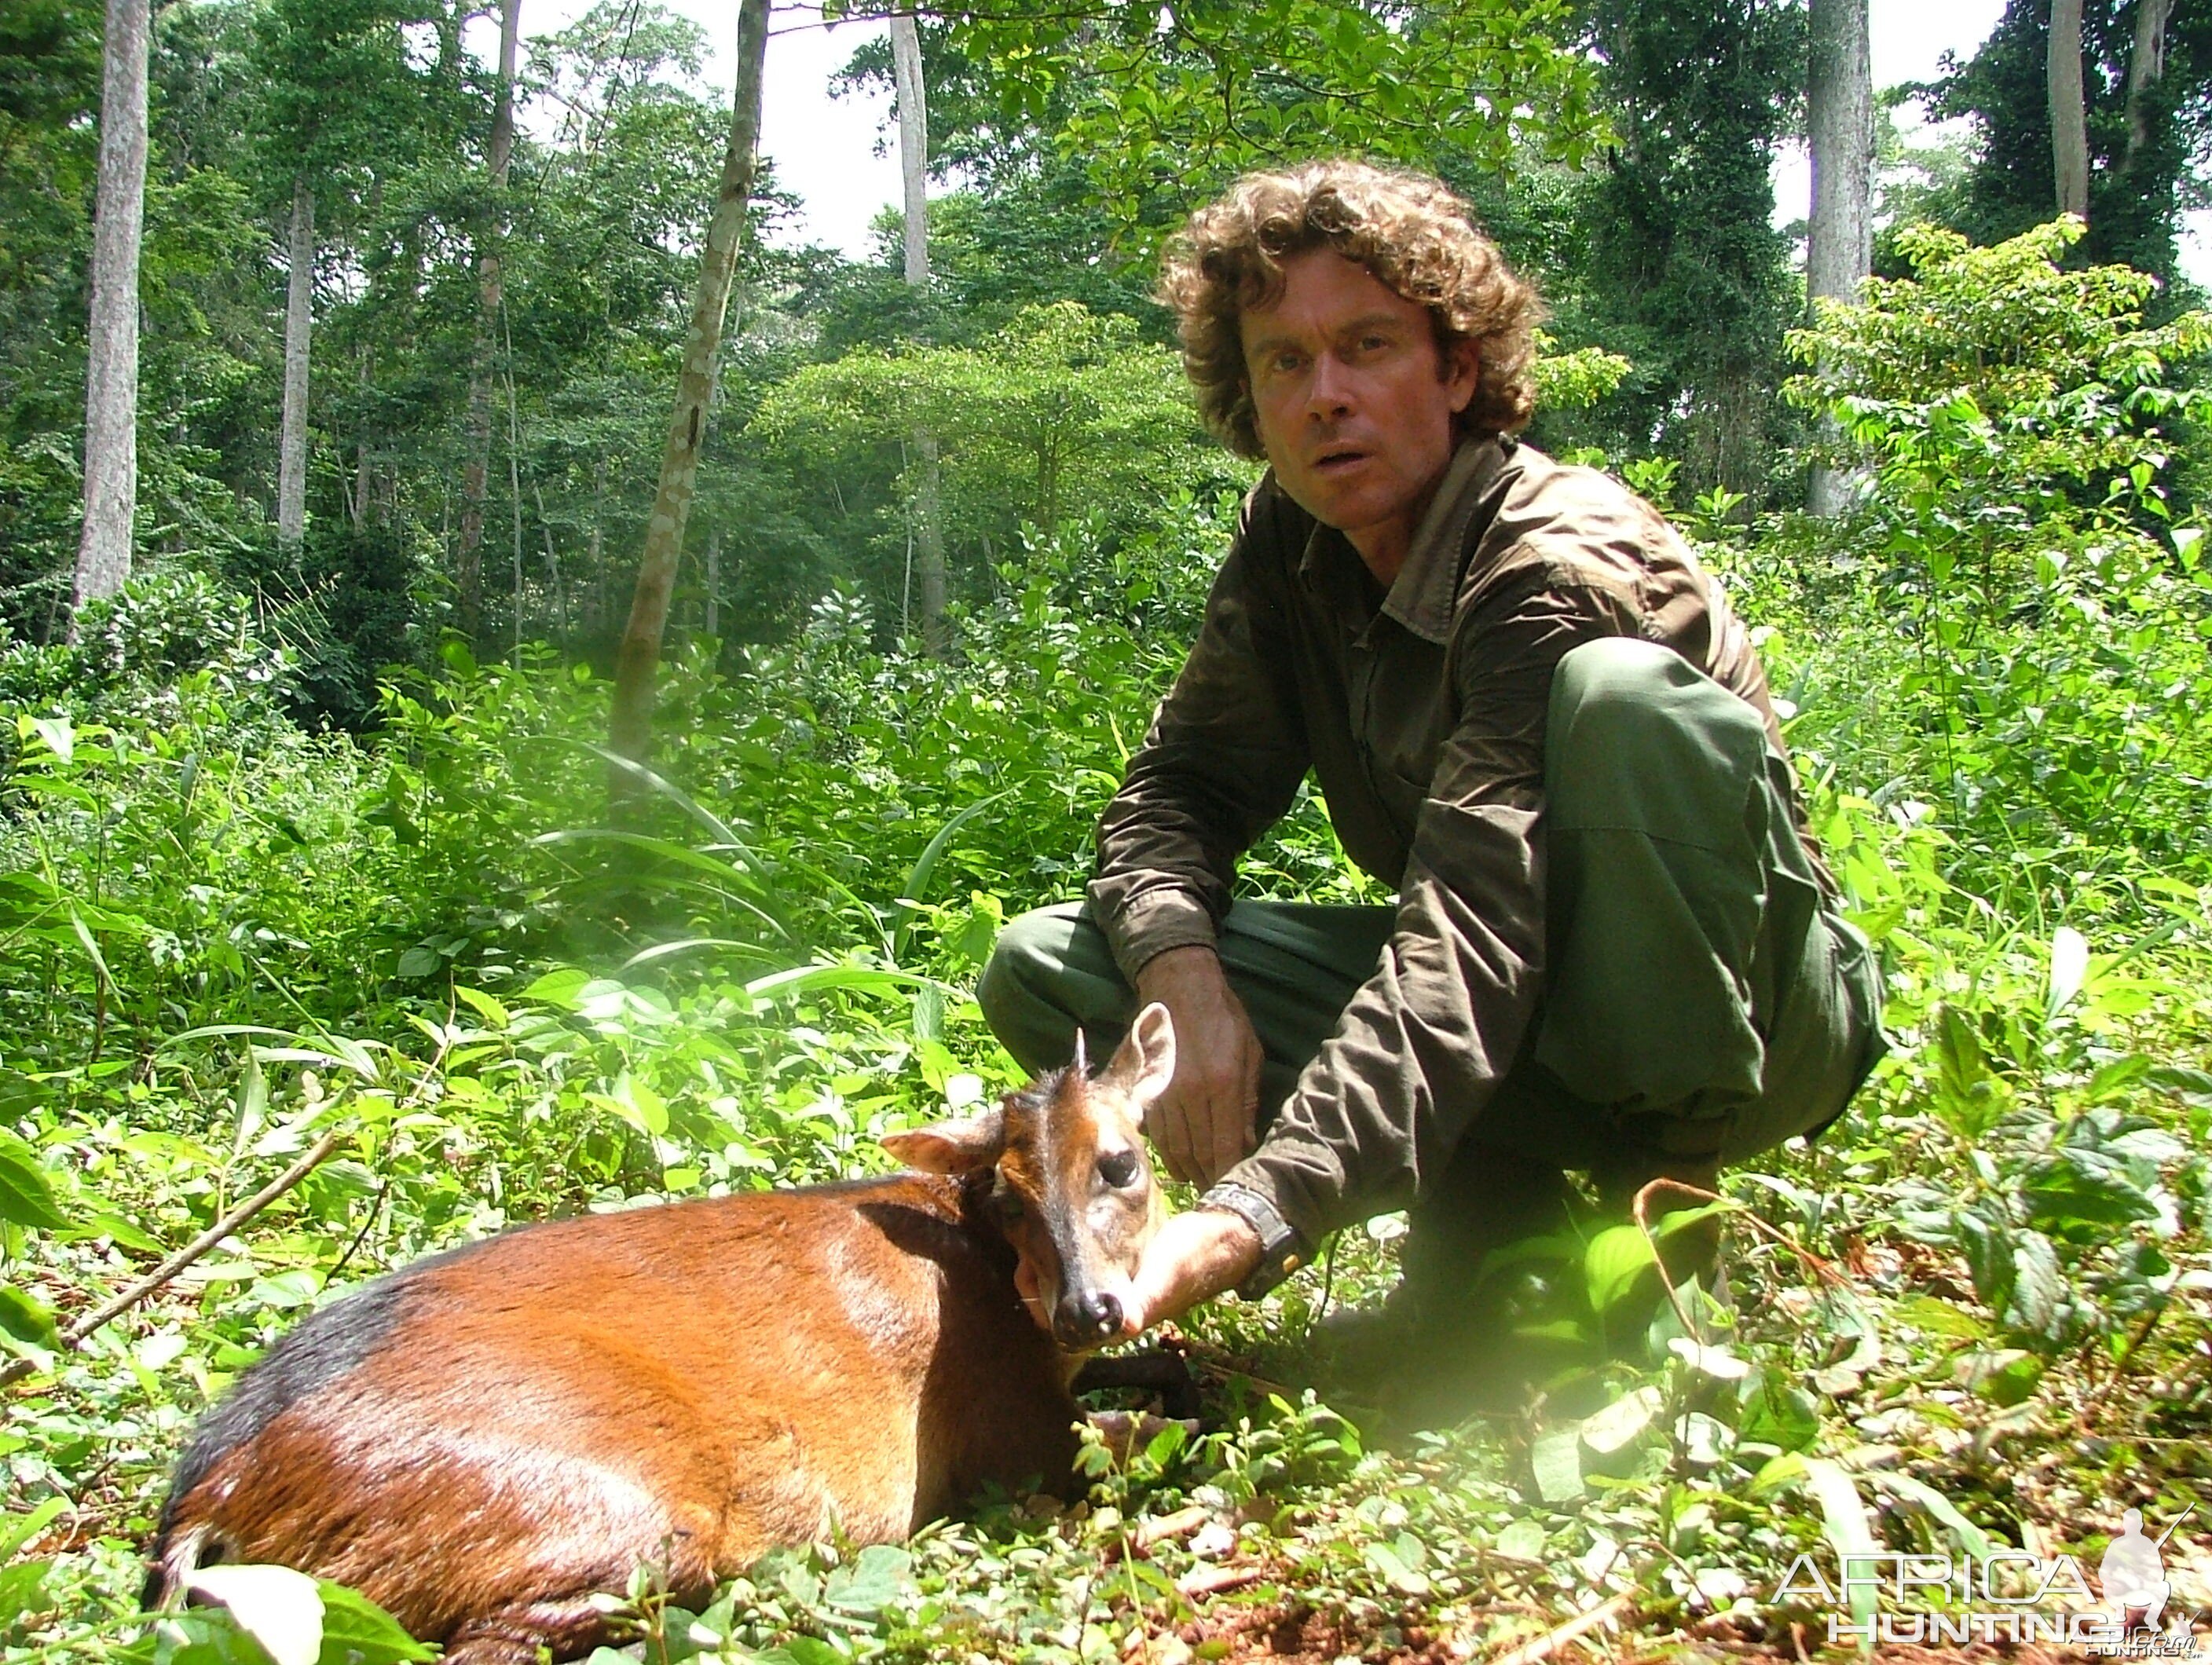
x: 1330, y: 394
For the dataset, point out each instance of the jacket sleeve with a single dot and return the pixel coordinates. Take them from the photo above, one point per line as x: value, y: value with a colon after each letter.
x: 1220, y: 765
x: 1424, y: 1042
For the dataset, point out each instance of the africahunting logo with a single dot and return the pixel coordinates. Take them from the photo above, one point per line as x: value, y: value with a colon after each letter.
x: 2006, y: 1596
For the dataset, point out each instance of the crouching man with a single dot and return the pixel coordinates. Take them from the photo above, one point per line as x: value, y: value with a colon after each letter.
x: 1615, y: 948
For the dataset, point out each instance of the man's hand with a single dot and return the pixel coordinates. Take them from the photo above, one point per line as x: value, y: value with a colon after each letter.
x: 1195, y: 1257
x: 1207, y: 1119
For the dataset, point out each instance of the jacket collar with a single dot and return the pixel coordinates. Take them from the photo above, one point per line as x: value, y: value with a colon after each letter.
x: 1427, y: 586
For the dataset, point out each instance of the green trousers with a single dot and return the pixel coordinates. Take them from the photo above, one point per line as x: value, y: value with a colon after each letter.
x: 1699, y: 1004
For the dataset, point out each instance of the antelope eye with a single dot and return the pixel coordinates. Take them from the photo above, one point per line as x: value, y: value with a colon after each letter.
x: 1008, y: 1205
x: 1118, y: 1168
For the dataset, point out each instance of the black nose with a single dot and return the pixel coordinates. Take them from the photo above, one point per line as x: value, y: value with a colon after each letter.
x: 1084, y: 1319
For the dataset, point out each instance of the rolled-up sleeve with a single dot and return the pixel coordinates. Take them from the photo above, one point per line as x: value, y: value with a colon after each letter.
x: 1421, y: 1049
x: 1221, y: 764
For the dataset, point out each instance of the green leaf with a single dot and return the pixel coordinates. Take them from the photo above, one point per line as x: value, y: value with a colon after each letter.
x: 2005, y: 1377
x: 1971, y: 1537
x: 878, y: 1578
x: 279, y: 1608
x: 1556, y: 1461
x: 59, y: 733
x: 16, y: 1530
x: 356, y: 1631
x: 1623, y: 1422
x: 484, y: 1006
x: 23, y: 1592
x: 2039, y: 1289
x: 2194, y: 1086
x: 26, y: 1318
x: 26, y: 1195
x: 1777, y: 1412
x: 1524, y: 1539
x: 1850, y: 1533
x: 1932, y: 1317
x: 1615, y: 1260
x: 420, y: 961
x: 925, y: 868
x: 2080, y: 1187
x: 2070, y: 965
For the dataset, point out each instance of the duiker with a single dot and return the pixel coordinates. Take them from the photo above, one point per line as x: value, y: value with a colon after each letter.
x: 483, y: 1440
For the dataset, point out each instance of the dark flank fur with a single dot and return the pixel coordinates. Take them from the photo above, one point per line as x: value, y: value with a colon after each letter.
x: 321, y: 1348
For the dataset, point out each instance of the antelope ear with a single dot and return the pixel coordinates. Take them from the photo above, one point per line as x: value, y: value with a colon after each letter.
x: 960, y: 1146
x: 1145, y: 1062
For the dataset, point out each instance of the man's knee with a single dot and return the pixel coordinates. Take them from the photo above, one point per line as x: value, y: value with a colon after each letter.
x: 1029, y: 950
x: 1624, y: 710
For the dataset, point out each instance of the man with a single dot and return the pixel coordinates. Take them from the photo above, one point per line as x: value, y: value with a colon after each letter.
x: 1527, y: 708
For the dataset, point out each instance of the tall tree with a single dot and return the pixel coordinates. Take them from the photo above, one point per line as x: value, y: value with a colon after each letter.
x: 2146, y: 81
x: 1839, y: 132
x: 1684, y: 272
x: 637, y: 659
x: 2146, y: 69
x: 2069, y: 118
x: 475, y: 472
x: 914, y: 171
x: 299, y: 324
x: 110, y: 396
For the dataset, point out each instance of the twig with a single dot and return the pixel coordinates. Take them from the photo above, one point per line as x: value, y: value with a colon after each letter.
x: 1820, y: 1268
x: 74, y: 1336
x: 375, y: 1207
x: 1551, y: 1641
x: 1212, y: 1580
x: 1161, y: 1527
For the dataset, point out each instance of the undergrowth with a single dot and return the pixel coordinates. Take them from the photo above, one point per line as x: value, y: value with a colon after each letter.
x: 1970, y: 1318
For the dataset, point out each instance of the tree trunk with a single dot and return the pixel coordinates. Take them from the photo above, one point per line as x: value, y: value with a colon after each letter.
x: 476, y: 470
x: 914, y: 168
x: 595, y: 593
x: 363, y: 468
x: 1839, y: 132
x: 715, y: 580
x: 111, y: 382
x: 299, y: 321
x: 2146, y: 69
x: 630, y: 730
x: 2070, y: 127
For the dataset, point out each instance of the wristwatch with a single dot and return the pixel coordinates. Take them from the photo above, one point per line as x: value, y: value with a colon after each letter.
x: 1282, y: 1251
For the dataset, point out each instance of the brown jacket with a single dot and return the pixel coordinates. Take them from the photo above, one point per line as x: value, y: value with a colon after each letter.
x: 1421, y: 713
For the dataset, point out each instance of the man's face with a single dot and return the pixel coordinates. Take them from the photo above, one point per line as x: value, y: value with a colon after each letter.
x: 1350, y: 408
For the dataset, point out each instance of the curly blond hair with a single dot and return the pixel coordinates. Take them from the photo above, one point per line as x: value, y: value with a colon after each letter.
x: 1418, y: 240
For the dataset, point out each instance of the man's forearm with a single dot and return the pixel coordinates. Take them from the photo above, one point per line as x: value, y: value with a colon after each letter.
x: 1195, y: 1257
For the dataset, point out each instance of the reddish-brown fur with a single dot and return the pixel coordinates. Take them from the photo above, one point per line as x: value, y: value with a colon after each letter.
x: 681, y: 1387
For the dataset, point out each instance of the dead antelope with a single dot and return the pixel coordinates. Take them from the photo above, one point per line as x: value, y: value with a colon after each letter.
x: 482, y: 1441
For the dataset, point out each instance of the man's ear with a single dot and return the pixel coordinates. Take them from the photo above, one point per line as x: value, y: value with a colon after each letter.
x: 1460, y: 370
x: 1145, y: 1062
x: 959, y: 1146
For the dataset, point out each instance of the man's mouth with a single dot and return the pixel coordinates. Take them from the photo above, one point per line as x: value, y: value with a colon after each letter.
x: 1339, y: 459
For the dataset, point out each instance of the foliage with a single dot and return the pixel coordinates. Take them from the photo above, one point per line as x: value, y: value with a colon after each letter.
x: 2020, y: 422
x: 1161, y: 106
x: 1061, y: 408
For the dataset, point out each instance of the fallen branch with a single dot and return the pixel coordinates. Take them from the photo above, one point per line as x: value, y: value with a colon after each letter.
x: 75, y: 1335
x: 1212, y: 1580
x: 1161, y: 1527
x: 1543, y: 1647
